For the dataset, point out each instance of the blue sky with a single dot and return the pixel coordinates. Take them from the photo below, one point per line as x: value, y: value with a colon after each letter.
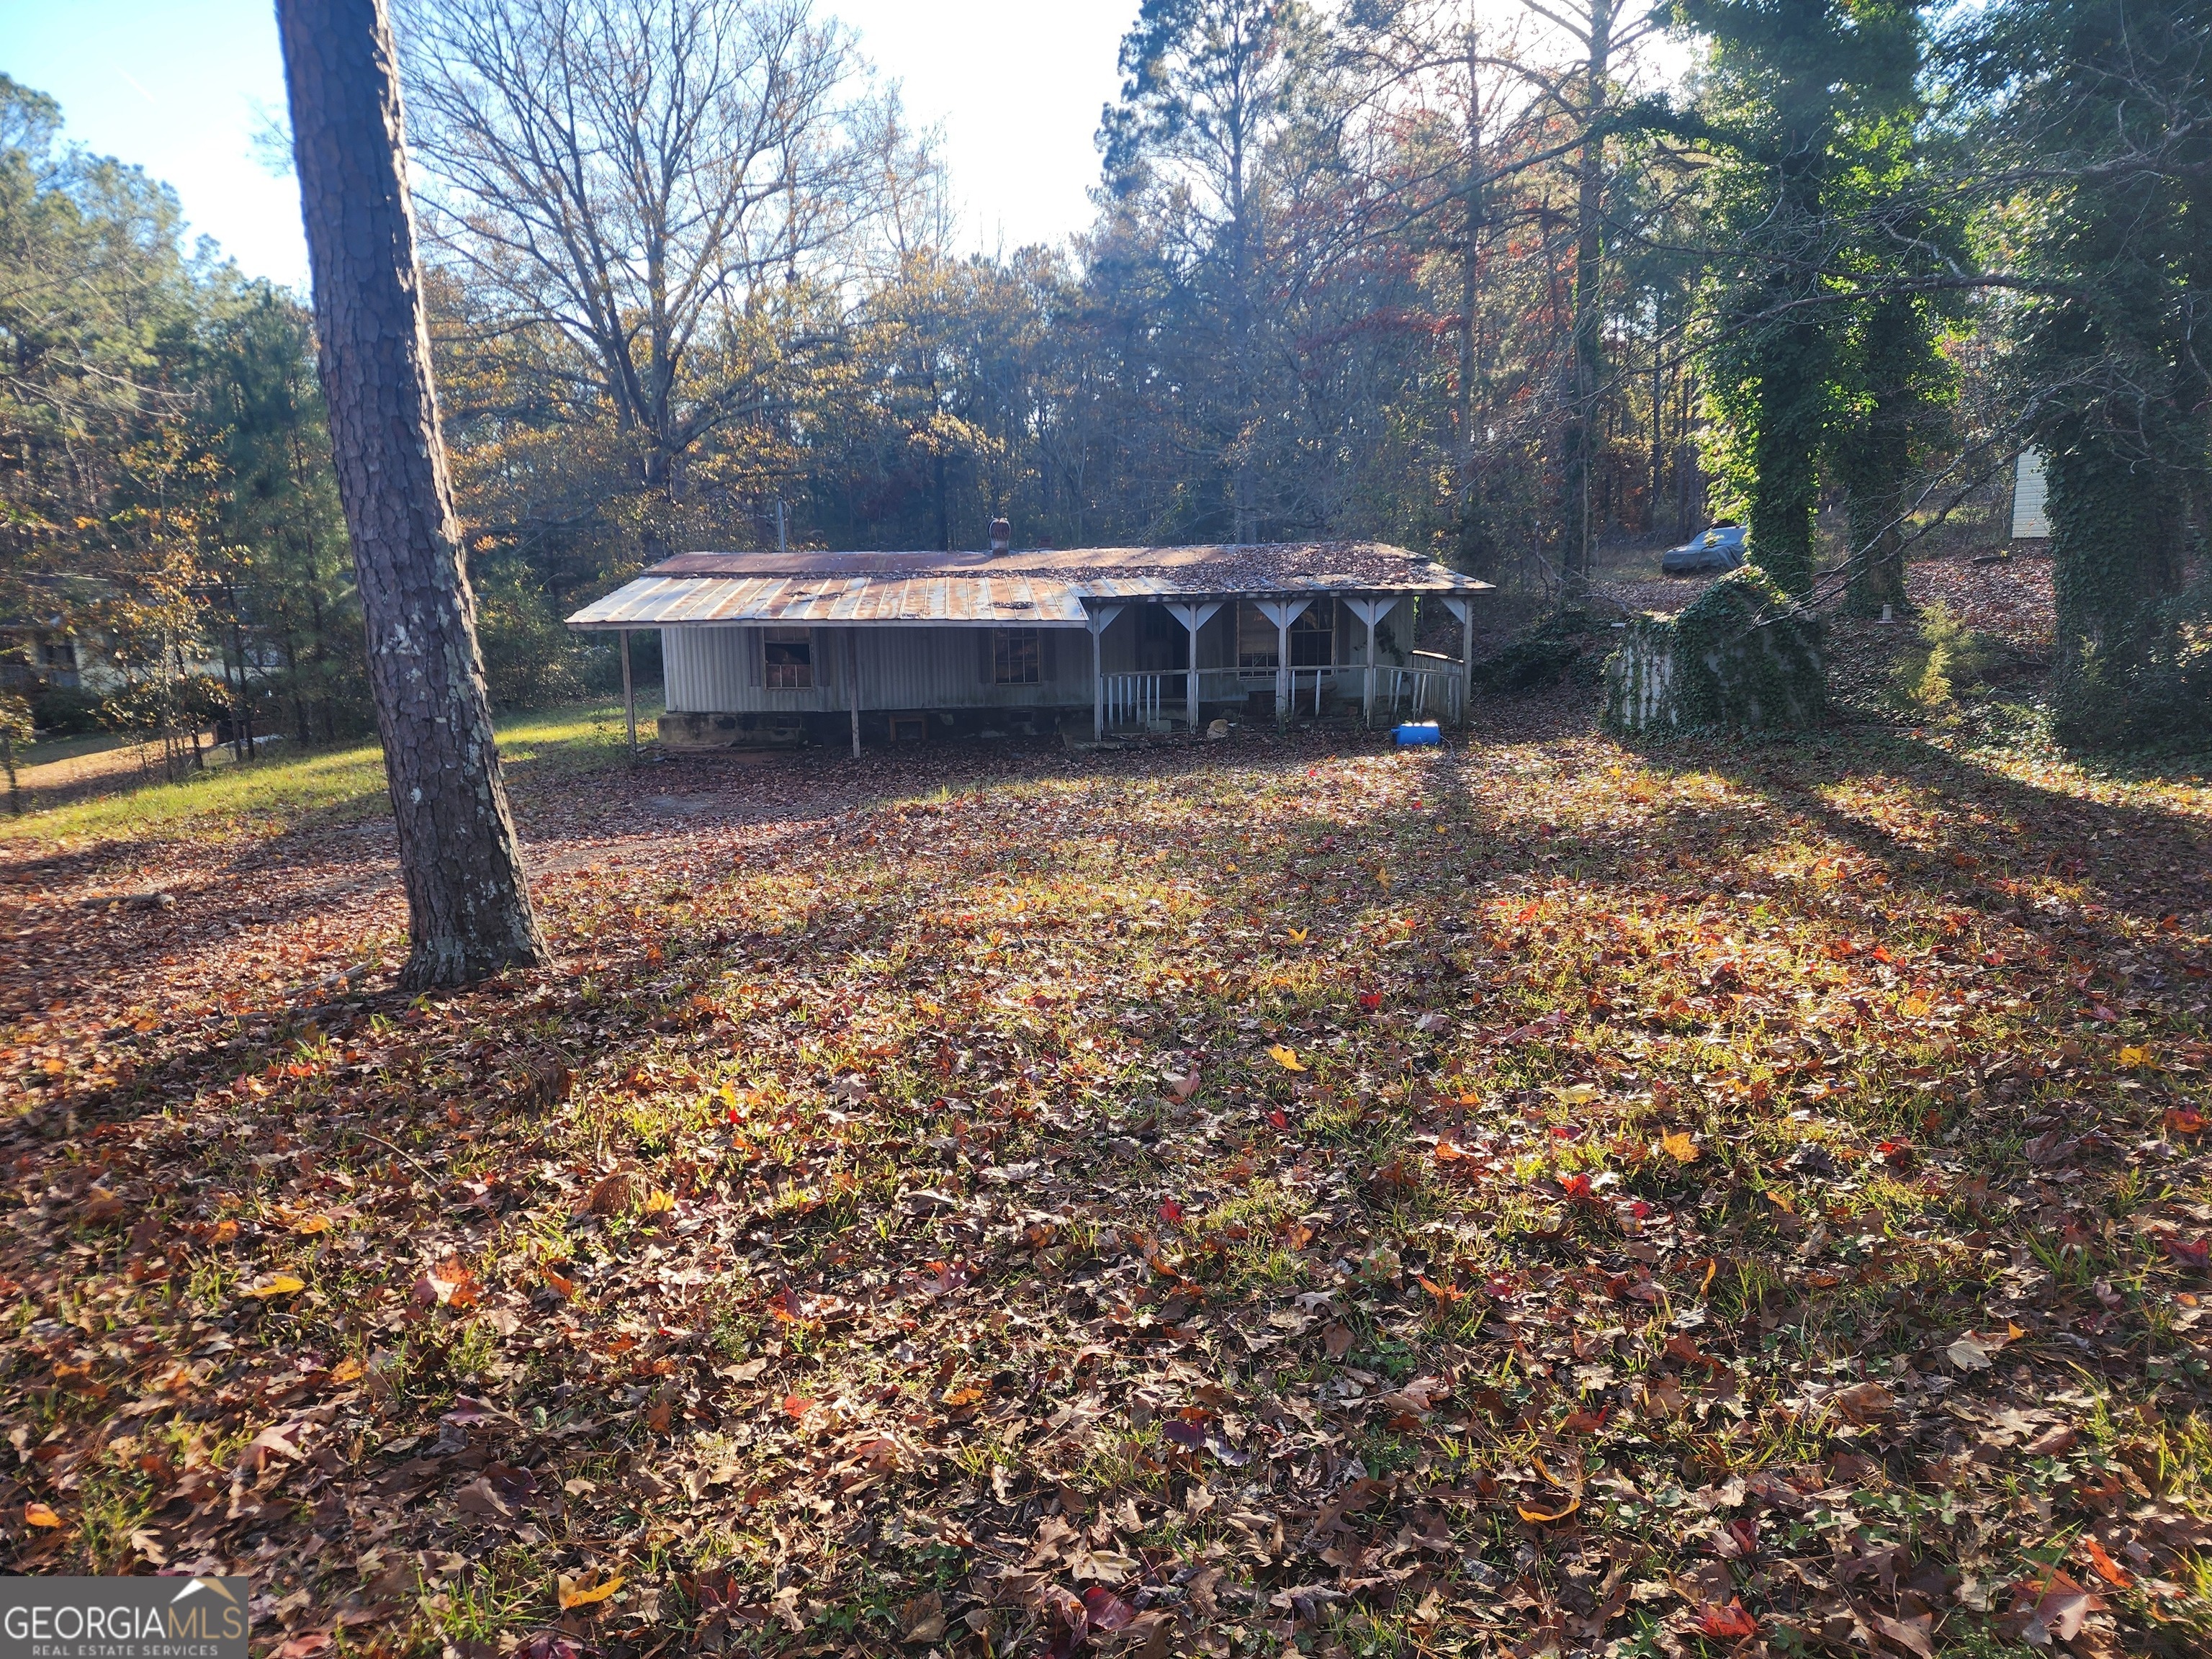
x: 175, y: 86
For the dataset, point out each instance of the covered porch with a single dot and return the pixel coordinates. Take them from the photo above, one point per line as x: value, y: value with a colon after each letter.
x: 1297, y: 656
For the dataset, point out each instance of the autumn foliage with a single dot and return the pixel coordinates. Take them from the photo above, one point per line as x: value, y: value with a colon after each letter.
x: 1224, y: 1200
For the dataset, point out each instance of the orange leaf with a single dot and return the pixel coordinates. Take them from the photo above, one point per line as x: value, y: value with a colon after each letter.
x: 586, y: 1589
x: 1682, y: 1146
x: 38, y: 1515
x: 2107, y: 1568
x: 796, y: 1405
x: 1533, y: 1516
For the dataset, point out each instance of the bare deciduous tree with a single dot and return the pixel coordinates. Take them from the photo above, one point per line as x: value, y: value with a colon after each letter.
x: 638, y: 176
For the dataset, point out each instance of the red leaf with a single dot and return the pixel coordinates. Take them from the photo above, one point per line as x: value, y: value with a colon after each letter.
x: 2195, y: 1253
x: 796, y: 1405
x: 1105, y: 1610
x: 1171, y: 1212
x: 1728, y: 1624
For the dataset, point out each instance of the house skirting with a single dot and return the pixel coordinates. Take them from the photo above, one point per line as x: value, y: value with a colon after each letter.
x: 790, y: 729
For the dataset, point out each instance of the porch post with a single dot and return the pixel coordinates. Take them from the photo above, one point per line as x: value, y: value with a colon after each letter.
x: 1193, y: 617
x: 1462, y: 606
x: 1282, y: 613
x: 1367, y: 691
x: 1369, y: 612
x: 852, y: 663
x: 629, y: 699
x: 1097, y: 621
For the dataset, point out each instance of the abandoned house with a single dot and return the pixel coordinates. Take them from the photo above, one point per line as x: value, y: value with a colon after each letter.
x: 787, y: 647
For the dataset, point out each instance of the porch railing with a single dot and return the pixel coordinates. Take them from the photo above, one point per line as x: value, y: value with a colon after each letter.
x: 1149, y: 698
x: 1136, y: 699
x: 1419, y: 693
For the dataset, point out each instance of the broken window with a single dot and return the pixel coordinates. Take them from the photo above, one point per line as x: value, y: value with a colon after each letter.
x: 787, y: 657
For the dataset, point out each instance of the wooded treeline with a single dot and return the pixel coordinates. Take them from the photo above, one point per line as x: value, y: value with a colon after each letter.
x: 1487, y: 285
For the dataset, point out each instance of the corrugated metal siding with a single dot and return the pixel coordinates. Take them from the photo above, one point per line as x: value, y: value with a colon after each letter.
x: 709, y: 671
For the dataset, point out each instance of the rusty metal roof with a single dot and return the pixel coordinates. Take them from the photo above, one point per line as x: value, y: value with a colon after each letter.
x: 1040, y: 587
x: 655, y: 601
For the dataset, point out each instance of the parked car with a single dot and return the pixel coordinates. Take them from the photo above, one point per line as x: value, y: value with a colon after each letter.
x: 1721, y: 548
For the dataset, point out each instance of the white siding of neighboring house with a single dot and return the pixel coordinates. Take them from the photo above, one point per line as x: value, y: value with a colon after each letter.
x: 2030, y: 497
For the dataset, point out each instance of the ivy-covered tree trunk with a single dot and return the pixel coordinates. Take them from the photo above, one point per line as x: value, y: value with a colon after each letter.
x: 1898, y: 372
x: 2117, y: 545
x: 1793, y: 395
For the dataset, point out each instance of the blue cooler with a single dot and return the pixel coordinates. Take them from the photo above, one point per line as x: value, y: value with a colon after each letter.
x: 1414, y: 733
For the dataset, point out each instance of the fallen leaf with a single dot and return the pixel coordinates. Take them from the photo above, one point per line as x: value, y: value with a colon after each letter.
x: 275, y: 1284
x: 1864, y: 1403
x: 1728, y: 1624
x: 1535, y: 1515
x: 38, y: 1515
x: 2107, y: 1568
x: 448, y: 1284
x: 922, y: 1619
x: 1682, y: 1146
x: 1914, y: 1635
x: 1287, y: 1058
x: 586, y: 1588
x: 1103, y: 1610
x: 1968, y: 1354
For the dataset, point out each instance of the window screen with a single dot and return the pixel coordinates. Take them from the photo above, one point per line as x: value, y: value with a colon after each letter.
x: 787, y: 657
x: 1313, y: 641
x: 1017, y: 657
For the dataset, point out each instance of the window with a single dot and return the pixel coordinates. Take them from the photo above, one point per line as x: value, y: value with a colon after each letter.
x: 787, y: 657
x: 1017, y: 657
x: 1313, y: 641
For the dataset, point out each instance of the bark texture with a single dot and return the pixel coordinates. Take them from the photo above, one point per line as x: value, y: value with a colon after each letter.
x: 469, y: 912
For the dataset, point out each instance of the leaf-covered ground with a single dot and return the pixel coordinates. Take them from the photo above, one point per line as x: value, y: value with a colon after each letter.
x: 1540, y: 1197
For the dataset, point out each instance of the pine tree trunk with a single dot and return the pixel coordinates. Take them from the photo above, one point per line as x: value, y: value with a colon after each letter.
x: 1587, y: 367
x: 469, y: 910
